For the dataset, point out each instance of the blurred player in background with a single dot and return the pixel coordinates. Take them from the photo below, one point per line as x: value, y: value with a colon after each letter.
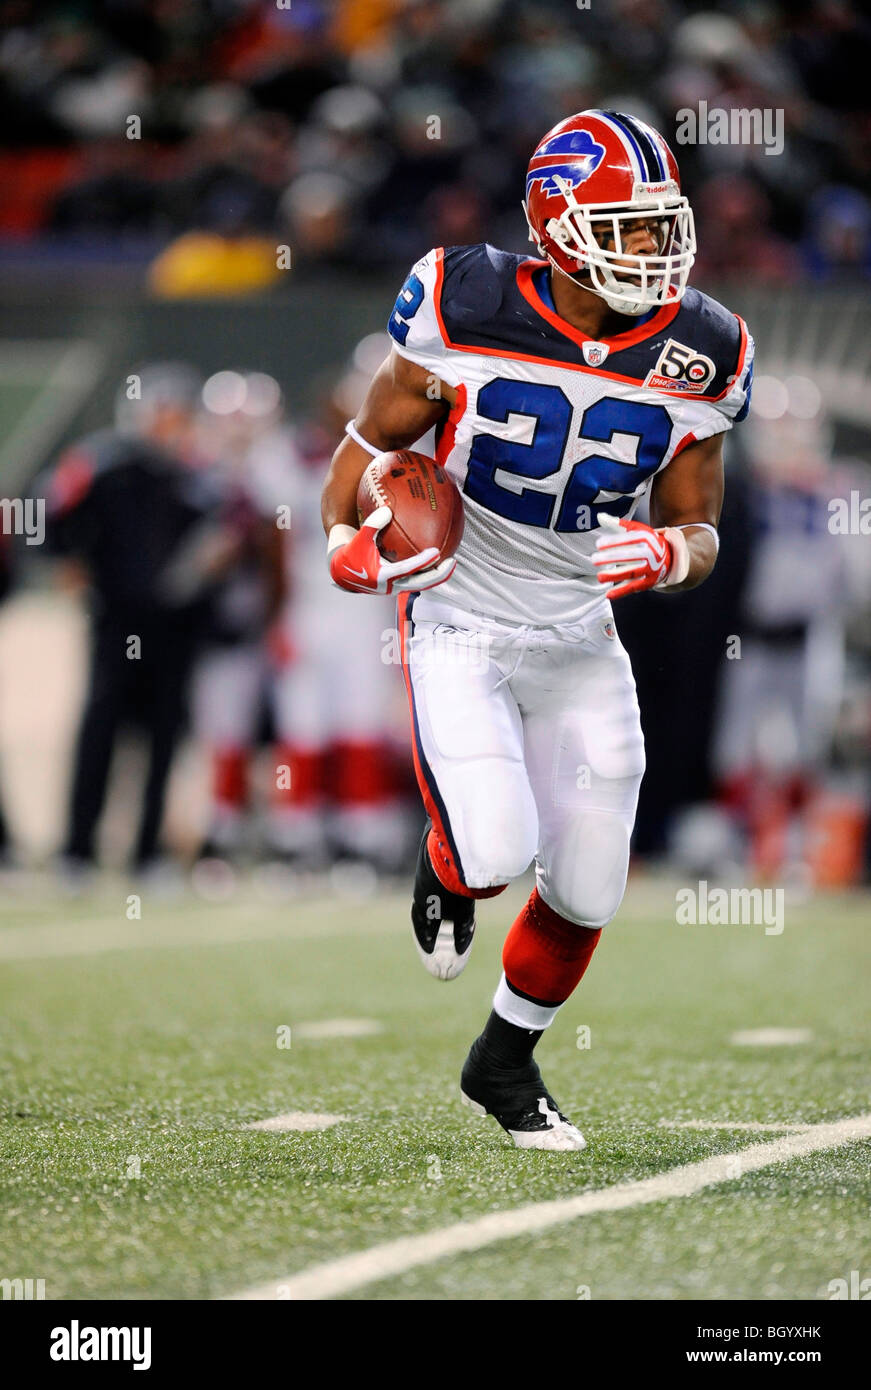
x: 254, y: 467
x: 782, y: 690
x: 272, y: 644
x: 346, y: 800
x: 127, y: 506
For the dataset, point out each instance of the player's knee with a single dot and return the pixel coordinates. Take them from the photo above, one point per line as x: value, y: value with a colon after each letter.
x: 497, y: 853
x: 586, y: 876
x: 590, y: 904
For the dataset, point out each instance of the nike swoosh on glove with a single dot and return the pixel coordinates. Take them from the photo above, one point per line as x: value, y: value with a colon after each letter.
x: 358, y: 565
x: 632, y: 557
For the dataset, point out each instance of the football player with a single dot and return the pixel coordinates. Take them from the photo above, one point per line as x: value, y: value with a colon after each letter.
x: 346, y: 802
x: 251, y: 461
x: 564, y: 389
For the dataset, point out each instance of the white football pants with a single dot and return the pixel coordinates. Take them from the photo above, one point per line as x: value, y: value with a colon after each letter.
x: 528, y: 745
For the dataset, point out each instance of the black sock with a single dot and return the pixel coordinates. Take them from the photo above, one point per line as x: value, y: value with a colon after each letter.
x: 505, y: 1044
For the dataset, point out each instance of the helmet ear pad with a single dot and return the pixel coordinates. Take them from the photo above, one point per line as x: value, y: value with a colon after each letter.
x: 549, y: 244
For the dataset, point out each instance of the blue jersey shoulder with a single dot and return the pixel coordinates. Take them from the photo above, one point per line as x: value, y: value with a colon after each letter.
x: 482, y: 305
x: 105, y: 448
x: 728, y: 339
x: 475, y: 282
x: 706, y: 325
x: 699, y: 351
x: 469, y: 290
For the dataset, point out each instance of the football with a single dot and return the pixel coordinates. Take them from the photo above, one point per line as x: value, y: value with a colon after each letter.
x: 426, y: 504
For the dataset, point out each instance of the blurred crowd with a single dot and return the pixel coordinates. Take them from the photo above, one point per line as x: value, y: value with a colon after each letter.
x: 192, y: 139
x: 199, y: 134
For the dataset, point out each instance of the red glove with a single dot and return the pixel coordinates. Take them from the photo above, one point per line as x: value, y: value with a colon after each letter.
x: 632, y: 557
x: 357, y: 564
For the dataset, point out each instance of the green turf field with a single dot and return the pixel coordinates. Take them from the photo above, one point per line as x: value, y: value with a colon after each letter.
x: 143, y: 1047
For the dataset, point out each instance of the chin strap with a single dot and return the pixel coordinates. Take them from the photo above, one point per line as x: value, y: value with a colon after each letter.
x: 618, y: 306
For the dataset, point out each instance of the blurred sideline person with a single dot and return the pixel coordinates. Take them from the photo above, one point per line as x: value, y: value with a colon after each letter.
x: 253, y: 462
x: 127, y: 504
x: 347, y: 796
x: 782, y: 691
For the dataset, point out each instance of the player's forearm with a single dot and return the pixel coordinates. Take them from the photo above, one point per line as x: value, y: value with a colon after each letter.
x: 339, y: 496
x: 688, y: 497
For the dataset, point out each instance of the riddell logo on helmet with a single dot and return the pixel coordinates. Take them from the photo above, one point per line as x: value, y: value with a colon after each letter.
x: 573, y: 155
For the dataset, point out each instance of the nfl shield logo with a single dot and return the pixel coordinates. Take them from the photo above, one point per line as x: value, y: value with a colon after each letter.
x: 595, y: 353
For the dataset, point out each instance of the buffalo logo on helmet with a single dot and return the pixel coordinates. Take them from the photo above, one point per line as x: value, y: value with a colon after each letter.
x: 572, y: 155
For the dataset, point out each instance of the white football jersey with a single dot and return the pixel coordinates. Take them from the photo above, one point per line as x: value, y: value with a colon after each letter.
x: 552, y: 428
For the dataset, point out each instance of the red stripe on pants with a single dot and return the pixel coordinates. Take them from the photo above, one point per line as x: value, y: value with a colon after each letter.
x: 438, y: 843
x: 441, y: 861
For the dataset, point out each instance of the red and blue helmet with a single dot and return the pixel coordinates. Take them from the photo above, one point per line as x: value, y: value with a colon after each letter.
x: 599, y: 172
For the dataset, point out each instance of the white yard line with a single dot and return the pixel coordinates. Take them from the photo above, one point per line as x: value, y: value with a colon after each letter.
x: 336, y: 1277
x: 771, y: 1037
x: 323, y: 1028
x: 750, y: 1125
x: 306, y: 1120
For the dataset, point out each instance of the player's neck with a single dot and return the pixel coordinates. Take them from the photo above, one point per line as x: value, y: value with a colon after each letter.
x: 585, y: 310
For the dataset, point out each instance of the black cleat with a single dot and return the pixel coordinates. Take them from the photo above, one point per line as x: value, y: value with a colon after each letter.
x: 518, y: 1098
x: 443, y: 922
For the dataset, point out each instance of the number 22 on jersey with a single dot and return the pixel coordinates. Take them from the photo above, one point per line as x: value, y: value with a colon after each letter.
x: 593, y: 480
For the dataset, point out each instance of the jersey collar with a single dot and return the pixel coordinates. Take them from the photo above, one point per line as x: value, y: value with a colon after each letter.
x: 526, y: 284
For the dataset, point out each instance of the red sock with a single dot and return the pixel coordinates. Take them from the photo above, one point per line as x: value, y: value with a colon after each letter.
x: 230, y: 777
x: 361, y: 773
x: 545, y: 955
x: 307, y: 777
